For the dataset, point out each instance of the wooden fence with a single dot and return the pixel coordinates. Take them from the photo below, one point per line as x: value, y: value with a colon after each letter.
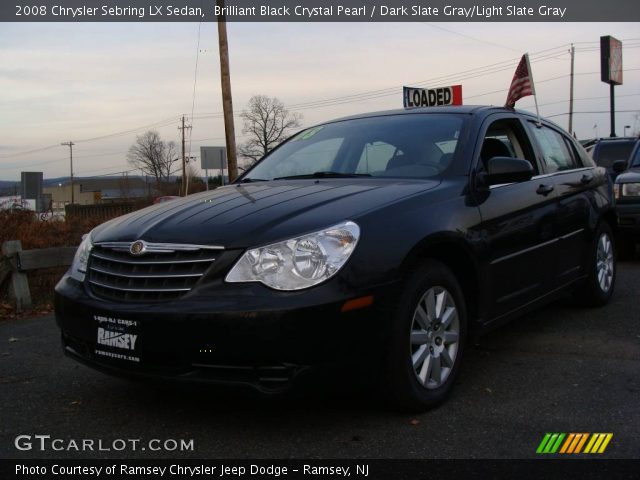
x: 14, y: 262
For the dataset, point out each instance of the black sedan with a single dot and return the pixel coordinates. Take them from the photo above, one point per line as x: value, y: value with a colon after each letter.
x: 382, y: 240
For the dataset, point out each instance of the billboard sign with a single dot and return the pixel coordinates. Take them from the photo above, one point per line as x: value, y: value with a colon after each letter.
x: 432, y: 97
x: 611, y: 60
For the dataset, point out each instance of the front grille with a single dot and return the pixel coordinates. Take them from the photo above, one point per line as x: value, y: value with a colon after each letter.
x: 164, y: 272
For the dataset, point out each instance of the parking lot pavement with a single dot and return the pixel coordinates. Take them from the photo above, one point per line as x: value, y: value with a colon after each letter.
x: 561, y: 369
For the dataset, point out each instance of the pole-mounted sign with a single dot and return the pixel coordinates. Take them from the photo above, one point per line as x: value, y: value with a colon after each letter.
x: 611, y: 70
x: 213, y: 158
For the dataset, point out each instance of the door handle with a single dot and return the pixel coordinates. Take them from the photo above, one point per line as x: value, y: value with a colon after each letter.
x: 586, y: 178
x: 544, y: 190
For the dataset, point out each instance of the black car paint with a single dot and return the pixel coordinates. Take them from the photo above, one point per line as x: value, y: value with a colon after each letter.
x: 628, y: 208
x: 512, y: 248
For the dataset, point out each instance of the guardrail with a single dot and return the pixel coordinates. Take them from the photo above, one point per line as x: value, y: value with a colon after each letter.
x: 15, y: 262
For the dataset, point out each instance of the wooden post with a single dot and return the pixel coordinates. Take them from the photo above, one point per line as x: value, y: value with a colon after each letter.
x: 19, y: 289
x: 227, y: 103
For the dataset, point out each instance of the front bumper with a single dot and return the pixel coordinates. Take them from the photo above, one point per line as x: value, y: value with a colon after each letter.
x: 247, y: 334
x: 629, y: 218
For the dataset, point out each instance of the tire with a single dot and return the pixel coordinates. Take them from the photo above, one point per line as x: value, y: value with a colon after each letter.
x: 626, y: 247
x: 601, y: 268
x: 427, y: 338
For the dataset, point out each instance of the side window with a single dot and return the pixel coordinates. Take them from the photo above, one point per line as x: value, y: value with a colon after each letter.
x: 554, y: 149
x: 578, y: 159
x: 506, y: 138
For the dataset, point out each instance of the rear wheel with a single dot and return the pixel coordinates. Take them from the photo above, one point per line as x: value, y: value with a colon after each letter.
x: 601, y: 266
x: 427, y: 340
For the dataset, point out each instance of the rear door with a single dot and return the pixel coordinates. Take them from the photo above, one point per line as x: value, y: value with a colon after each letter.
x: 518, y: 222
x: 575, y: 181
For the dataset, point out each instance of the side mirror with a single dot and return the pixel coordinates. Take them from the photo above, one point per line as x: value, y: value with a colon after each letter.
x: 508, y: 170
x: 619, y: 166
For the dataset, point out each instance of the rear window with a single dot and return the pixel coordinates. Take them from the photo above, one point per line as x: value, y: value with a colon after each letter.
x: 609, y: 152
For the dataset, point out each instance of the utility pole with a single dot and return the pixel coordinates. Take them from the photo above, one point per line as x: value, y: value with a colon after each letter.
x: 184, y: 158
x: 70, y: 144
x: 227, y: 103
x: 573, y: 56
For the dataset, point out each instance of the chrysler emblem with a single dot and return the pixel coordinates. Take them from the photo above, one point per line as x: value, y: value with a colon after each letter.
x: 137, y: 248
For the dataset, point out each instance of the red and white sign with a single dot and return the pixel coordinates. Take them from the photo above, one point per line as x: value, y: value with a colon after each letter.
x: 432, y: 97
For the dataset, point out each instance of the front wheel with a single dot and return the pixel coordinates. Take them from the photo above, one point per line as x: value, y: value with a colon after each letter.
x: 427, y: 338
x: 598, y: 288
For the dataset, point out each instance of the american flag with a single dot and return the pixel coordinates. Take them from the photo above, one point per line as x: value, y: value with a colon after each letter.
x: 522, y: 83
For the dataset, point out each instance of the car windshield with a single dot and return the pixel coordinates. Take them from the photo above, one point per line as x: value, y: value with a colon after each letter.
x: 609, y: 152
x: 404, y: 146
x: 635, y: 161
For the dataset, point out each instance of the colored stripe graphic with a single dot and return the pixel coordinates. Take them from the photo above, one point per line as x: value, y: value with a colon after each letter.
x: 583, y: 438
x: 550, y: 443
x: 598, y: 442
x: 573, y: 443
x: 543, y: 443
x: 567, y: 443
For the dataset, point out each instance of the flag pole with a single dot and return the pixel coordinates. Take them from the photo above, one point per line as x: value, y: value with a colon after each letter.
x: 533, y: 88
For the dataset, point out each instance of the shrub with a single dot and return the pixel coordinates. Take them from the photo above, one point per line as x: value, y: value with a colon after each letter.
x: 35, y: 233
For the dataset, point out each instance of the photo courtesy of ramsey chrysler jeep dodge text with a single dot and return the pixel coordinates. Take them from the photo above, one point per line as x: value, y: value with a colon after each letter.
x: 382, y: 240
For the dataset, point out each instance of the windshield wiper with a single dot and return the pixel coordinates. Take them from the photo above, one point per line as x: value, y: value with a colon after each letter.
x: 250, y: 180
x: 324, y: 175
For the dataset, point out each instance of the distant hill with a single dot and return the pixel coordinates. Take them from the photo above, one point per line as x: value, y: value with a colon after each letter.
x: 8, y: 187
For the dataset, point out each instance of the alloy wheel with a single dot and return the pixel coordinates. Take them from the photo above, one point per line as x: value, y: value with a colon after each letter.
x: 604, y: 262
x: 435, y: 336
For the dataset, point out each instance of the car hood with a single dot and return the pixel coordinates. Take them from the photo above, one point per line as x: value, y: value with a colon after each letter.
x: 630, y: 176
x: 243, y: 215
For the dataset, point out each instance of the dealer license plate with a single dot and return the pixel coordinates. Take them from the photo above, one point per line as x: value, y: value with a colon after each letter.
x: 117, y: 338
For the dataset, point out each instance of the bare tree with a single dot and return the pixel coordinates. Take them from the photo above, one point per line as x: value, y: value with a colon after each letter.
x: 153, y: 156
x: 268, y: 123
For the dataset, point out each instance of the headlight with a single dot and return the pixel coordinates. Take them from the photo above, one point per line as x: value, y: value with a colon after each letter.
x: 631, y: 189
x: 79, y: 265
x: 300, y: 262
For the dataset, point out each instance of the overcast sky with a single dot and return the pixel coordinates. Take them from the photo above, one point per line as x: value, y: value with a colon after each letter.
x: 74, y: 81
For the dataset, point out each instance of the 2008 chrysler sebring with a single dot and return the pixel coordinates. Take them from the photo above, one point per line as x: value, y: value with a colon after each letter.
x: 385, y: 239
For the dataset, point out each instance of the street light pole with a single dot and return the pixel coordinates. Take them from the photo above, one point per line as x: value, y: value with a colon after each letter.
x: 70, y: 144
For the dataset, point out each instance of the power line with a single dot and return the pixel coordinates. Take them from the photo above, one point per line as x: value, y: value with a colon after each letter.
x: 583, y: 98
x: 36, y: 150
x: 473, y: 73
x: 160, y: 123
x: 590, y: 112
x: 544, y: 81
x: 432, y: 25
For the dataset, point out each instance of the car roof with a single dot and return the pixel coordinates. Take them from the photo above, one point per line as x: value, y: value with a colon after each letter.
x: 457, y: 109
x: 618, y: 139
